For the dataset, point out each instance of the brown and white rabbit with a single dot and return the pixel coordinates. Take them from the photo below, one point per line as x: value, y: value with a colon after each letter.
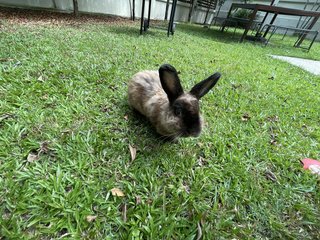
x: 160, y: 97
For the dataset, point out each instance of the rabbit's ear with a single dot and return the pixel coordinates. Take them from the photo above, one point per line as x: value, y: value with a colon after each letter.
x: 203, y: 87
x: 170, y: 82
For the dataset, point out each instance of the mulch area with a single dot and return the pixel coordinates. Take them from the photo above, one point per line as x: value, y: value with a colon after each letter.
x: 45, y: 17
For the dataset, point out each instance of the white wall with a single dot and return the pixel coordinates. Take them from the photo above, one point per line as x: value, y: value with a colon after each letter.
x: 64, y: 5
x: 123, y: 8
x: 112, y: 7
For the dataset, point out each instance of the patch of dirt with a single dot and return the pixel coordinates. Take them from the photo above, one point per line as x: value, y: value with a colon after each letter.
x: 45, y: 17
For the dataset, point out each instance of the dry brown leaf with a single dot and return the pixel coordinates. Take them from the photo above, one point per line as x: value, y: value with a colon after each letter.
x: 124, y: 212
x: 104, y: 109
x: 202, y: 161
x: 66, y: 131
x: 6, y: 59
x: 245, y: 117
x: 117, y: 192
x: 6, y: 116
x: 273, y: 118
x: 138, y: 200
x: 199, y: 232
x: 271, y: 176
x: 40, y: 79
x: 185, y: 187
x: 44, y: 147
x: 235, y: 86
x: 133, y: 152
x: 45, y: 97
x: 91, y: 218
x: 274, y: 142
x: 32, y: 157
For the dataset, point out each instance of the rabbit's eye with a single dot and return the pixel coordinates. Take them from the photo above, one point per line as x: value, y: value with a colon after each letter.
x: 178, y: 111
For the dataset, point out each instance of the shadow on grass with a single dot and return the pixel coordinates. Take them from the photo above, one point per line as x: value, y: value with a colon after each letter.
x: 131, y: 31
x: 210, y: 33
x: 143, y: 135
x: 142, y: 130
x: 229, y: 37
x: 134, y: 31
x: 276, y: 46
x: 158, y: 30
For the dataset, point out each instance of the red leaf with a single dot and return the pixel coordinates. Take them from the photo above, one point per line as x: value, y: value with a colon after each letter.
x: 312, y: 165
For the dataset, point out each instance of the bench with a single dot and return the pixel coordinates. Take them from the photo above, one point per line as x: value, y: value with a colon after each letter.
x: 233, y: 22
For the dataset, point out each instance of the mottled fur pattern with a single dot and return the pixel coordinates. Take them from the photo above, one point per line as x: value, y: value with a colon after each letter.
x: 160, y: 97
x: 148, y: 97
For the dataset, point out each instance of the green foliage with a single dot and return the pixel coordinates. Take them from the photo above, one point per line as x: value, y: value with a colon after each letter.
x: 242, y: 13
x: 66, y: 128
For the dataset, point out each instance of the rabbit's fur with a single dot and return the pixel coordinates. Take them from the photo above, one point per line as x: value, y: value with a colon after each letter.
x: 159, y: 96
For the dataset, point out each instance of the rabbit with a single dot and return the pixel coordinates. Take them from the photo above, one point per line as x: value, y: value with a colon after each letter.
x: 159, y: 96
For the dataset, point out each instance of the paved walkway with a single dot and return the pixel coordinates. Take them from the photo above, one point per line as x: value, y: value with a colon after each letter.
x: 306, y: 64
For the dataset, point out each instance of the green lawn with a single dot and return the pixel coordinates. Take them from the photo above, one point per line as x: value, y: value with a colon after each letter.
x: 66, y: 127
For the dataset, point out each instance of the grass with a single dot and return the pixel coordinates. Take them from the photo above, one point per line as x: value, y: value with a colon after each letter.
x: 66, y: 128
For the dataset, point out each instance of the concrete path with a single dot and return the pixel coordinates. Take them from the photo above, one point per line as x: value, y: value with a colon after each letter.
x: 306, y: 64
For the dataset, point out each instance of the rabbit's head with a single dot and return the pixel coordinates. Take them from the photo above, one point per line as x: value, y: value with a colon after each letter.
x: 184, y: 106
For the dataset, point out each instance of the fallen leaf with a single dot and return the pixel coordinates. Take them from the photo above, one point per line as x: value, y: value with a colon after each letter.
x: 6, y: 116
x: 113, y: 87
x: 229, y: 145
x: 138, y: 200
x: 44, y: 147
x: 245, y: 117
x: 307, y: 162
x: 235, y: 86
x: 18, y: 63
x: 202, y: 161
x: 91, y: 218
x: 124, y: 212
x: 40, y: 79
x: 274, y: 142
x: 271, y: 176
x: 32, y: 157
x: 117, y: 192
x: 185, y: 187
x: 66, y: 131
x: 199, y: 232
x: 273, y: 137
x: 199, y: 144
x: 6, y: 59
x: 45, y: 97
x: 312, y: 165
x: 104, y: 108
x: 133, y: 152
x: 274, y: 118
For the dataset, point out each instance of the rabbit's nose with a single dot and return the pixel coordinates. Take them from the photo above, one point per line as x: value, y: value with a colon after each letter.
x: 194, y: 132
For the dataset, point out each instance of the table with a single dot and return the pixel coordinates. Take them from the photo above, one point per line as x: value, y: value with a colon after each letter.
x: 276, y: 11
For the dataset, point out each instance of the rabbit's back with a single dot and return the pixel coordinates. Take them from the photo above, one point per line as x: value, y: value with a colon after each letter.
x: 146, y: 94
